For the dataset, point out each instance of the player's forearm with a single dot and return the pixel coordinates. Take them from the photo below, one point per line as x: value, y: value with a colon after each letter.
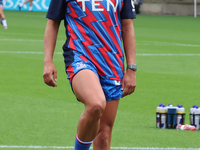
x: 50, y: 38
x: 128, y: 37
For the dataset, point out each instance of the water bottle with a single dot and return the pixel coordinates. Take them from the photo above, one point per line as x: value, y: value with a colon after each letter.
x: 163, y: 112
x: 196, y: 112
x: 180, y: 117
x: 171, y: 116
x: 192, y: 114
x: 158, y: 111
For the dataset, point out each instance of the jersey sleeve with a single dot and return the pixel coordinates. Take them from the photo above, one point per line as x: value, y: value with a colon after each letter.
x: 56, y: 10
x: 128, y: 10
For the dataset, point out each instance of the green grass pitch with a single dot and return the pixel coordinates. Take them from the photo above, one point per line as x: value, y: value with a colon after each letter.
x: 33, y: 114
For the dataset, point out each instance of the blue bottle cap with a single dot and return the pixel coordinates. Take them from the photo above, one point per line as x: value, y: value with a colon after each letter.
x: 161, y: 105
x: 170, y: 105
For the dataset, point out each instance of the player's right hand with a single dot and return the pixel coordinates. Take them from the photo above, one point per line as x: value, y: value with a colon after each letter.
x: 50, y: 74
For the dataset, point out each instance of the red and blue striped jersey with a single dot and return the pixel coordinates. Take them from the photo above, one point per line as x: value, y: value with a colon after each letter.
x: 93, y: 29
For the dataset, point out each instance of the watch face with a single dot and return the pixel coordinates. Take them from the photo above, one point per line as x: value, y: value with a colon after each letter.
x: 132, y: 67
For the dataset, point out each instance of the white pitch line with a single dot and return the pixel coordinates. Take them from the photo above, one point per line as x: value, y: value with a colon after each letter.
x: 36, y: 147
x: 22, y: 40
x: 168, y: 54
x: 13, y: 52
x: 165, y: 43
x: 119, y: 148
x: 27, y: 40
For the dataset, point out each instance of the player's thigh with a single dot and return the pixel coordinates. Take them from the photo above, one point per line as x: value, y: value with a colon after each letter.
x: 87, y: 87
x: 1, y: 10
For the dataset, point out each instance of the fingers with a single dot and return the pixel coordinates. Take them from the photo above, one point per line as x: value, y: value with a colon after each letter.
x: 48, y: 79
x: 122, y: 86
x: 128, y: 82
x: 55, y: 77
x: 129, y: 89
x: 50, y: 74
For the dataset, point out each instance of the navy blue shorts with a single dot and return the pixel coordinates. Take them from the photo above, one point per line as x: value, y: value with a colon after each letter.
x: 111, y: 88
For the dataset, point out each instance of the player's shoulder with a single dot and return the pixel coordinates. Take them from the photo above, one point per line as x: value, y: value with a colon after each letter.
x: 56, y: 9
x: 58, y: 1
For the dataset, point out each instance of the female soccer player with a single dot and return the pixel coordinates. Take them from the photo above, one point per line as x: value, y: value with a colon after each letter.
x: 2, y: 16
x: 94, y: 61
x: 30, y: 5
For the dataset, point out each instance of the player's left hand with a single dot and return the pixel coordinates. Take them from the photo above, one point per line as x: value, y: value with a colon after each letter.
x: 129, y: 82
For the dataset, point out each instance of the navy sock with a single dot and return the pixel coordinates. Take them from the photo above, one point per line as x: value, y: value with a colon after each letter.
x: 80, y: 145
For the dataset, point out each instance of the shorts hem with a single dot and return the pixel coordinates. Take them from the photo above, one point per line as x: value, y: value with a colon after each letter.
x: 113, y: 98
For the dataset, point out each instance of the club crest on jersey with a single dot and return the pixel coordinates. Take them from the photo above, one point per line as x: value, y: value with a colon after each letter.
x: 95, y: 4
x: 80, y: 65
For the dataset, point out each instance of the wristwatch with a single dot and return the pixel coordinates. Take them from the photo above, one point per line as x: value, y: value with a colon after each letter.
x: 132, y: 67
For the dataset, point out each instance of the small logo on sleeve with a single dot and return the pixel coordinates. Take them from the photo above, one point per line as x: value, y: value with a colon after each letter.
x: 80, y: 65
x: 133, y: 6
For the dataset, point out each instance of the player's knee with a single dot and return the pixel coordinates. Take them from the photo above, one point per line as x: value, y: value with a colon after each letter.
x: 104, y: 136
x: 96, y: 109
